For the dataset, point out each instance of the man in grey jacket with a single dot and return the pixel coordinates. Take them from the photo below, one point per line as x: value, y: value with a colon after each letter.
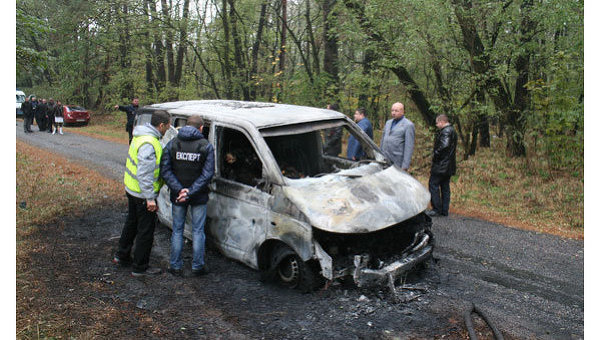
x: 398, y: 139
x: 142, y: 184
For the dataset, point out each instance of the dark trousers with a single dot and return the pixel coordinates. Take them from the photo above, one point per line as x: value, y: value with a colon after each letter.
x: 439, y: 188
x: 130, y: 135
x: 50, y: 123
x: 28, y: 120
x: 139, y: 226
x: 41, y: 121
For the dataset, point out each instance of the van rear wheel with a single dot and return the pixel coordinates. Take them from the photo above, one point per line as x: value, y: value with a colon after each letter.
x: 290, y: 271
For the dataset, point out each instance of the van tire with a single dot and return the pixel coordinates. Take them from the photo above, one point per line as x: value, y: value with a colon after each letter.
x: 289, y: 270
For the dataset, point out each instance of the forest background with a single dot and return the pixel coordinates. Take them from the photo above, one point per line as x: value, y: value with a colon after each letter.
x: 509, y: 73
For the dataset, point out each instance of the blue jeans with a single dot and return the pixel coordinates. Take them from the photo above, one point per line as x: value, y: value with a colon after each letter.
x: 198, y: 213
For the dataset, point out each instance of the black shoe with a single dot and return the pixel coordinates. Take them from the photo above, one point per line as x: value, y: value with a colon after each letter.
x: 121, y: 262
x: 147, y: 272
x: 175, y: 272
x: 199, y: 272
x: 432, y: 213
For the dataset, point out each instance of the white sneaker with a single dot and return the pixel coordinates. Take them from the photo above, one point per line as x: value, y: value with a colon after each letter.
x: 53, y: 132
x: 61, y: 132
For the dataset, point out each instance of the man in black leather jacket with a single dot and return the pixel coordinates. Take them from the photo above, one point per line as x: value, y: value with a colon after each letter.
x: 443, y: 166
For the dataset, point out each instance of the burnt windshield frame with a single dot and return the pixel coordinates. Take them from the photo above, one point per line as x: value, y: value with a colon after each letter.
x: 300, y: 128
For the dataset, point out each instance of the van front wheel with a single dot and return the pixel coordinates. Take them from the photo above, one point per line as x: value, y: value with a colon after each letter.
x: 291, y: 271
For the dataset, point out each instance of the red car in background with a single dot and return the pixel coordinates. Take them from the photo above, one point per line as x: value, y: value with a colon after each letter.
x: 74, y: 114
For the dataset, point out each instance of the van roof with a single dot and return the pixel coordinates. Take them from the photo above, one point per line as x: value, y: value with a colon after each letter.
x: 259, y: 114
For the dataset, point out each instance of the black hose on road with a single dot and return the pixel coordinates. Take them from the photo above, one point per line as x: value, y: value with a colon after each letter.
x: 471, y: 329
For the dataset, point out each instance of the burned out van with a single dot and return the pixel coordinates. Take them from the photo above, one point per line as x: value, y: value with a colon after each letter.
x: 282, y: 206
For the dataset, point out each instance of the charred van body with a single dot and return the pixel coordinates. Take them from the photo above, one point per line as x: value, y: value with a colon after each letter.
x: 279, y: 204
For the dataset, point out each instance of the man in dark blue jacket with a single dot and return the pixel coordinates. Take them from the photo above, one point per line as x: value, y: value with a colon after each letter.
x: 130, y: 110
x: 187, y: 166
x: 443, y: 166
x: 355, y: 151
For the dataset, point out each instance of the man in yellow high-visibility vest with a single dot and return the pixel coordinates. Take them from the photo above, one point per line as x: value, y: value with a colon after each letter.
x: 142, y: 184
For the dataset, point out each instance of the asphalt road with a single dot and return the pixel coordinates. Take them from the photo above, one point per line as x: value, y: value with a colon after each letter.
x: 107, y: 158
x: 531, y: 285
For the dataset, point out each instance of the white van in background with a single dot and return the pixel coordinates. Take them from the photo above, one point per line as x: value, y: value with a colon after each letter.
x: 20, y: 100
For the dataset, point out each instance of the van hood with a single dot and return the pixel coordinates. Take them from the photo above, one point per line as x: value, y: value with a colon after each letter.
x: 360, y: 200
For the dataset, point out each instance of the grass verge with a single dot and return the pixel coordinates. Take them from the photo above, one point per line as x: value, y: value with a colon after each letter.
x: 48, y: 186
x: 522, y: 192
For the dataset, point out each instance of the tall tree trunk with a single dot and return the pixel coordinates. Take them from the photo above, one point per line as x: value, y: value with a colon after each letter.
x: 226, y: 62
x: 417, y: 96
x: 480, y: 60
x: 482, y: 121
x: 367, y: 66
x: 301, y: 52
x: 473, y: 143
x: 124, y: 43
x: 104, y: 78
x: 311, y: 40
x: 168, y: 42
x: 148, y: 53
x: 516, y: 119
x: 161, y: 74
x: 182, y: 42
x: 330, y: 55
x: 255, y: 48
x: 86, y: 70
x: 241, y: 75
x: 283, y: 46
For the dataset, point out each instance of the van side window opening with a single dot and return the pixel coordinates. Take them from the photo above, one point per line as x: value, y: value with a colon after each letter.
x: 237, y: 159
x: 179, y: 123
x: 142, y: 118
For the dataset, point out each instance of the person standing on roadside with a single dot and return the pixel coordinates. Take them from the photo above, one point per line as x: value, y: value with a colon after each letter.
x: 58, y: 117
x: 131, y: 111
x: 443, y: 166
x: 333, y: 137
x: 142, y: 184
x: 42, y: 111
x: 355, y: 151
x: 34, y: 110
x: 27, y: 115
x: 187, y: 166
x: 398, y: 139
x: 50, y: 116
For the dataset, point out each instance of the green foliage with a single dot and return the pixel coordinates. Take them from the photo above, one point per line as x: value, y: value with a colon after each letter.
x: 27, y: 26
x: 98, y: 58
x: 558, y: 112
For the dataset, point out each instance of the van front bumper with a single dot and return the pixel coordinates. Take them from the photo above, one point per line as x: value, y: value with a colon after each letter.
x: 420, y: 252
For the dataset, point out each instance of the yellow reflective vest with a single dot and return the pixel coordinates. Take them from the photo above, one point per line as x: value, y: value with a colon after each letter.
x: 131, y: 180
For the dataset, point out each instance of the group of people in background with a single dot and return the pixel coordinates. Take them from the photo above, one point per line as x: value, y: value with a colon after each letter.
x: 397, y: 144
x: 48, y: 115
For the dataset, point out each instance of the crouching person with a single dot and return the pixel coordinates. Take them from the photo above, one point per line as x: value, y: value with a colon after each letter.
x: 187, y: 167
